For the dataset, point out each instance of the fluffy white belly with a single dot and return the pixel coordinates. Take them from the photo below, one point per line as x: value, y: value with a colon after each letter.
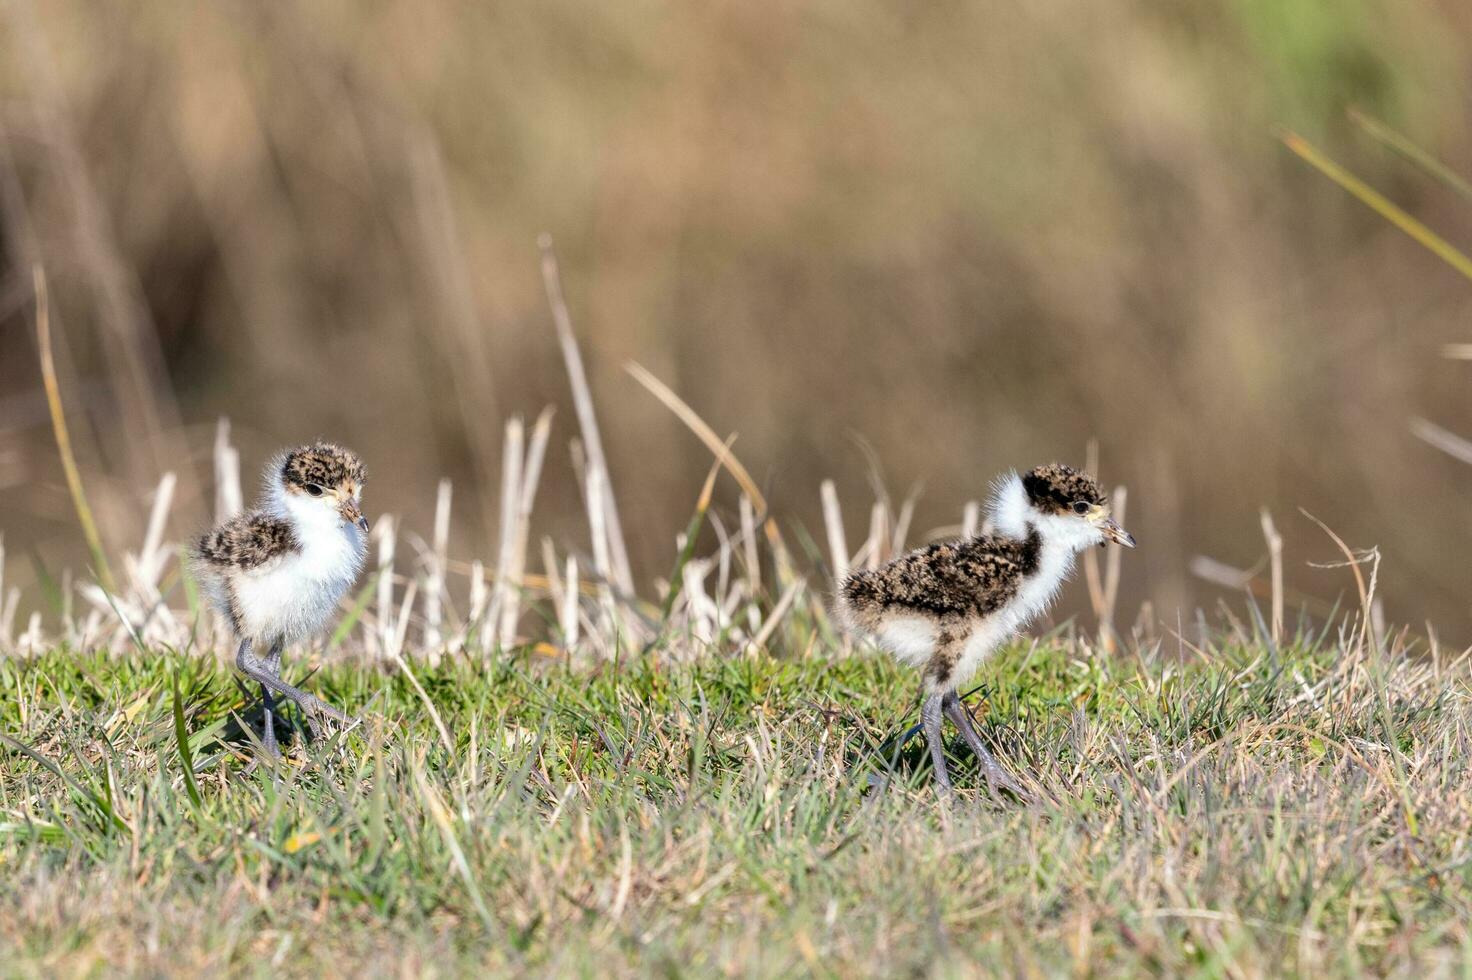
x: 290, y: 599
x: 982, y: 642
x: 910, y: 638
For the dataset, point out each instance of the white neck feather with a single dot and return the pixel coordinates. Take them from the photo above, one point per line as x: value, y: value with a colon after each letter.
x: 1011, y: 511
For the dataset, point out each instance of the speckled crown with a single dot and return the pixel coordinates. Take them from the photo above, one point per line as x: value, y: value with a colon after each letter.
x: 1055, y: 487
x: 324, y: 463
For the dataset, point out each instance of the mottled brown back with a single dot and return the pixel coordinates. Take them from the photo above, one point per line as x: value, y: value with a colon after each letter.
x: 971, y: 577
x: 247, y: 541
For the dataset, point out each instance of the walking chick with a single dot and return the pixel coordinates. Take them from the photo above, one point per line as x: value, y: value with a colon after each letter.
x: 945, y: 608
x: 278, y: 572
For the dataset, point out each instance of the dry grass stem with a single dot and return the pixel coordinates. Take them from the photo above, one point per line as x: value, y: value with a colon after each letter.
x: 587, y: 419
x: 833, y: 523
x: 1275, y: 559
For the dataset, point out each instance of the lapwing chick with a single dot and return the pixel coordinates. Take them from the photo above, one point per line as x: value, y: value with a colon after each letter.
x: 278, y: 572
x: 945, y: 608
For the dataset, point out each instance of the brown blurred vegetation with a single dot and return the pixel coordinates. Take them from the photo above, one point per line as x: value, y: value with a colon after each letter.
x: 967, y: 236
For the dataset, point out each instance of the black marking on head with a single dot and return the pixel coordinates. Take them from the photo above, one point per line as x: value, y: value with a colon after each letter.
x: 322, y: 464
x: 1057, y: 488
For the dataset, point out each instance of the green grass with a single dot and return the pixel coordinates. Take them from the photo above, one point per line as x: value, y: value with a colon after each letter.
x: 1251, y: 814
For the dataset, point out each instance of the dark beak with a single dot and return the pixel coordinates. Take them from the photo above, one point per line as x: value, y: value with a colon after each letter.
x: 1117, y: 534
x: 353, y: 515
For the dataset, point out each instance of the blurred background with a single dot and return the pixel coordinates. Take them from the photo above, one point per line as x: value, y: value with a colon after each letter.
x: 945, y: 239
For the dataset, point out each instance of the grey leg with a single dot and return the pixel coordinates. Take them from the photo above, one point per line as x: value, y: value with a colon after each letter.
x: 263, y: 672
x: 273, y: 659
x: 273, y: 666
x: 268, y: 727
x: 268, y: 705
x: 996, y: 776
x: 930, y: 721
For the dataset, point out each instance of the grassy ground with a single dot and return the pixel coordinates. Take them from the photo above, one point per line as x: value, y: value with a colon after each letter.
x: 1250, y: 812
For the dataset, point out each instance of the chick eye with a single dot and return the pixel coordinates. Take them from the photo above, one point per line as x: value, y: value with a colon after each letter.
x: 314, y: 489
x: 1080, y: 507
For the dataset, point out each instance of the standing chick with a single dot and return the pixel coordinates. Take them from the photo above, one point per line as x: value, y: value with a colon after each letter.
x: 946, y: 607
x: 278, y: 572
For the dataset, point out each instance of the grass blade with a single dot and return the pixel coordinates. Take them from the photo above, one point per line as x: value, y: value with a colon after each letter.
x: 360, y: 605
x: 697, y: 425
x: 692, y: 531
x: 63, y: 435
x: 583, y: 402
x: 1412, y: 152
x: 441, y: 816
x: 89, y: 796
x: 181, y: 739
x: 1380, y: 204
x: 1448, y: 442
